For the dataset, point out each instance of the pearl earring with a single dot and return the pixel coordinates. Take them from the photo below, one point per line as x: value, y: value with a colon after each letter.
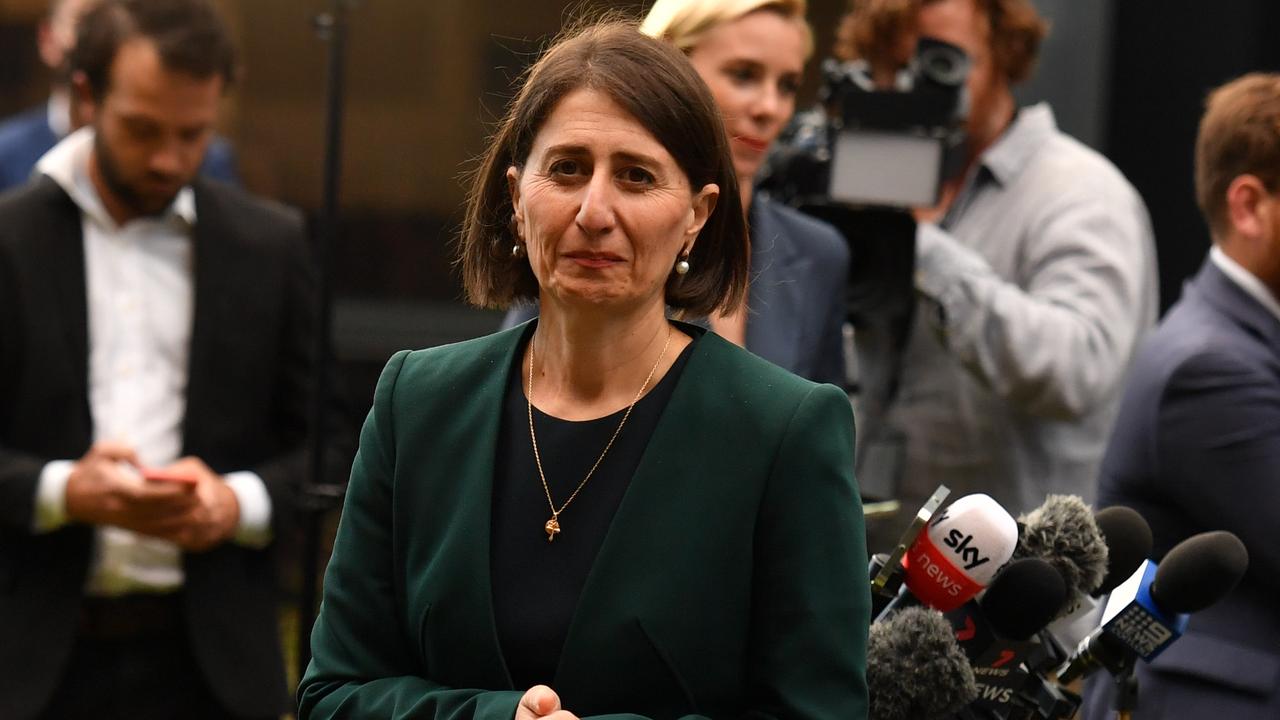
x: 682, y: 267
x: 517, y: 251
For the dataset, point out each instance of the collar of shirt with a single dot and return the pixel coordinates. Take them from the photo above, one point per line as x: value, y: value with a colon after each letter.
x: 59, y: 112
x: 1246, y: 280
x: 1025, y: 135
x: 67, y: 164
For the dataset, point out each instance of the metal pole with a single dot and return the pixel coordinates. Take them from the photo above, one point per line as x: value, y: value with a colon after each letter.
x: 320, y: 495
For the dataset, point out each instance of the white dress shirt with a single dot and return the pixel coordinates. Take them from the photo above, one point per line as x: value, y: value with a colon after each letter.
x: 140, y: 292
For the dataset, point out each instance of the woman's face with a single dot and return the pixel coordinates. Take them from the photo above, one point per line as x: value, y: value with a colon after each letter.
x: 602, y: 208
x: 753, y: 66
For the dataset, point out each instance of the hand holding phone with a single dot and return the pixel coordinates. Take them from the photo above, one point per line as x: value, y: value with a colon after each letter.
x: 170, y: 475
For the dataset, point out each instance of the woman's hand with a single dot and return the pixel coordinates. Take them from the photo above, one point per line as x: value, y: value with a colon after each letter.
x: 541, y: 703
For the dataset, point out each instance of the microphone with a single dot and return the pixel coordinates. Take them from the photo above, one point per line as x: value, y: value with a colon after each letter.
x: 1150, y: 610
x: 995, y: 634
x: 1128, y: 540
x: 963, y: 548
x: 886, y: 569
x: 915, y: 670
x: 1063, y: 532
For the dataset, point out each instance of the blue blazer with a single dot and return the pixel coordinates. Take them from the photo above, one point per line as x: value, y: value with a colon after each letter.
x: 799, y: 267
x: 1197, y: 447
x: 25, y: 138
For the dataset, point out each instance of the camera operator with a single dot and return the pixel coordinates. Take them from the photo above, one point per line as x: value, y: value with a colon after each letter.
x: 1034, y: 277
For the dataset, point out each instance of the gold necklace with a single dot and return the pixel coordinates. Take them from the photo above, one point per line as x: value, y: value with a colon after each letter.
x: 552, y: 526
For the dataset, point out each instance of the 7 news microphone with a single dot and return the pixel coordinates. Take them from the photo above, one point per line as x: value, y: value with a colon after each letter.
x: 996, y: 633
x: 1149, y: 611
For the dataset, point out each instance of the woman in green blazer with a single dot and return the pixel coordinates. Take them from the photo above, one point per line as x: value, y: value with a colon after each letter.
x: 606, y: 513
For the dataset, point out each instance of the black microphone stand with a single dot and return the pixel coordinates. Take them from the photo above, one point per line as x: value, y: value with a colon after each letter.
x: 1126, y: 688
x: 319, y: 495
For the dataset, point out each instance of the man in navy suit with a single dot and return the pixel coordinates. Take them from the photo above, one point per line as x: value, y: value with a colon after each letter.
x: 26, y: 137
x: 1197, y: 443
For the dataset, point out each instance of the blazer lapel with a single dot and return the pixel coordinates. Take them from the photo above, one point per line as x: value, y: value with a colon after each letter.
x: 211, y: 277
x: 459, y: 584
x: 776, y: 297
x: 62, y: 259
x: 1237, y: 304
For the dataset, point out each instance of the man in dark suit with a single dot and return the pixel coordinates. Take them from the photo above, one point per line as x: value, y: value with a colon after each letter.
x: 25, y: 137
x: 1197, y: 444
x: 156, y: 353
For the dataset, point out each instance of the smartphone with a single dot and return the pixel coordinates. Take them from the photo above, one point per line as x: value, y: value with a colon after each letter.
x: 170, y: 476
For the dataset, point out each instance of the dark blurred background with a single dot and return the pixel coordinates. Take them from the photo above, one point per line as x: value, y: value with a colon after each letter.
x: 426, y: 77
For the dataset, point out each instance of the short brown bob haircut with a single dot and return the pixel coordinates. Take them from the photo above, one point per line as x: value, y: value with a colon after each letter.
x: 1239, y: 135
x: 654, y: 82
x: 872, y: 30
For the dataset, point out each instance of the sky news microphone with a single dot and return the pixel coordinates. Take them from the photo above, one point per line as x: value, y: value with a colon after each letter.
x: 1149, y: 611
x: 956, y: 557
x: 1128, y: 540
x: 886, y: 568
x: 915, y: 670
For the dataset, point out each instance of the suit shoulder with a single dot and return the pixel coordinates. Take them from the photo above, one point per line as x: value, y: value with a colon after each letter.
x: 463, y: 361
x: 245, y: 208
x: 24, y: 203
x: 752, y: 379
x: 19, y: 129
x: 1080, y: 173
x: 811, y: 236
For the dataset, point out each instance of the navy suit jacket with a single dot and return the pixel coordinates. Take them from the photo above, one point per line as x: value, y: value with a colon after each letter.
x: 25, y: 138
x: 1196, y: 448
x: 799, y: 267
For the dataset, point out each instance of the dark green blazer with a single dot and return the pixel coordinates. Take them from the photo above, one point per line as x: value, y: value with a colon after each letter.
x: 732, y: 581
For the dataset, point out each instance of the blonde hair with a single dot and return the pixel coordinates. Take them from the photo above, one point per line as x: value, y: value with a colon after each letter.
x: 683, y: 22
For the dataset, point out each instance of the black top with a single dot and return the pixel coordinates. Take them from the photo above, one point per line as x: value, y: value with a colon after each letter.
x: 536, y: 583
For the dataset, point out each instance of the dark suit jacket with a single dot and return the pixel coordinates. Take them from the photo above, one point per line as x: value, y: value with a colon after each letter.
x: 799, y: 267
x: 730, y: 584
x: 1197, y: 447
x: 25, y: 138
x: 247, y: 409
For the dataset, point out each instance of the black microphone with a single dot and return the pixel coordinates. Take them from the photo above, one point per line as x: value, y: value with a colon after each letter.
x: 1149, y: 611
x: 995, y: 634
x: 915, y: 670
x: 1128, y: 540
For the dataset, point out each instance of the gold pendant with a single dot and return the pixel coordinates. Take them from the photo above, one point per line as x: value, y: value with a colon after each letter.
x: 552, y: 527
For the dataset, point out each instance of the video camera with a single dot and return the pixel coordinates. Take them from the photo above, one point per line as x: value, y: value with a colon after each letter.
x: 877, y: 146
x: 861, y: 161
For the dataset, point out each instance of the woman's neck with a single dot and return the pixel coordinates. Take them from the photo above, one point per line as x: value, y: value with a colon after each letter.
x: 588, y: 365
